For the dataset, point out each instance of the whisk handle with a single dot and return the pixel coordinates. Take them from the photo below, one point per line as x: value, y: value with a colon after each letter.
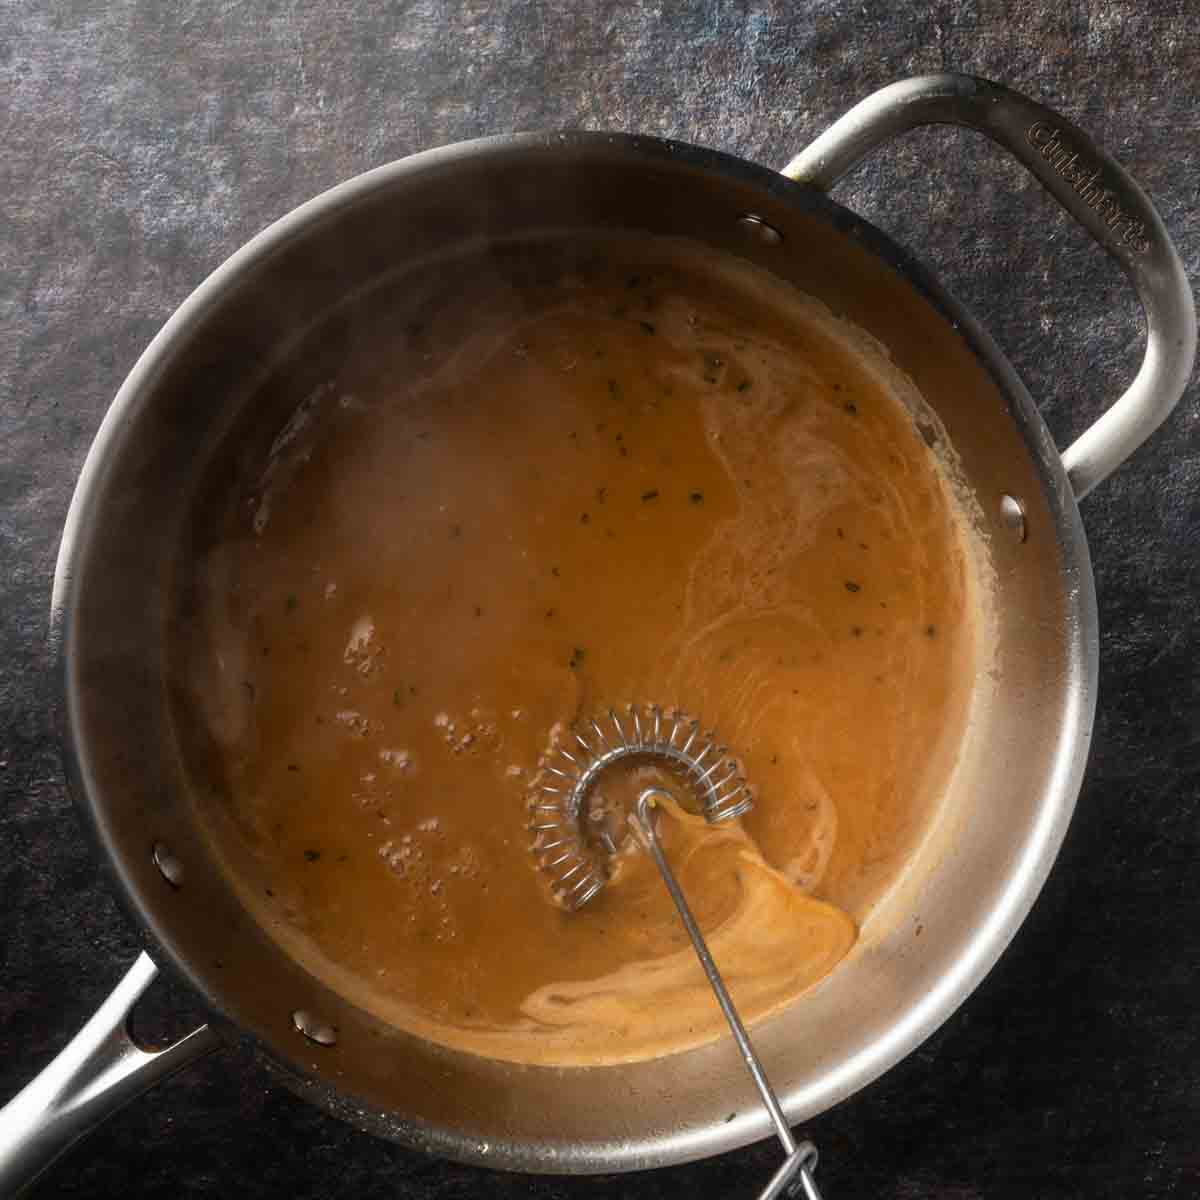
x: 801, y: 1158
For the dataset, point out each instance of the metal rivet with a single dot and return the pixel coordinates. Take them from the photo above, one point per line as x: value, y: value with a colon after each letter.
x: 757, y: 228
x: 169, y: 867
x: 1013, y: 516
x: 314, y: 1028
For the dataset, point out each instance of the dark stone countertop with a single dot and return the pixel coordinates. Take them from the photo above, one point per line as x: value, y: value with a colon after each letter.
x: 143, y: 142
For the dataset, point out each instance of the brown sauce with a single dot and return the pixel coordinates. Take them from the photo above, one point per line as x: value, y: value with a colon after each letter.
x: 635, y: 473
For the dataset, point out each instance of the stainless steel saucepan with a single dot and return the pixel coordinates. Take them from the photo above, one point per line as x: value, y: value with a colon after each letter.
x: 197, y: 388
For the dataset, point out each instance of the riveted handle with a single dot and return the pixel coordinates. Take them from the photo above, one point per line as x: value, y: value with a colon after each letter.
x: 1092, y: 187
x: 100, y: 1070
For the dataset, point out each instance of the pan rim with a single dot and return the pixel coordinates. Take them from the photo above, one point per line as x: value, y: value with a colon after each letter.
x: 1065, y: 778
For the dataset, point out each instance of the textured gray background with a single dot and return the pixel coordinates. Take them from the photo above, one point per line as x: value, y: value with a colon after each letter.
x: 143, y: 142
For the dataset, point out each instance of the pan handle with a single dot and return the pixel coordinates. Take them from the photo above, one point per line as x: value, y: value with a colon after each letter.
x: 100, y: 1070
x: 1092, y: 187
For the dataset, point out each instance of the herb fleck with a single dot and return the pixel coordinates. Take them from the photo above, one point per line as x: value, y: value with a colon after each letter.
x: 293, y: 766
x: 584, y: 518
x: 851, y: 586
x: 696, y: 497
x: 601, y: 493
x: 851, y: 408
x: 311, y: 855
x: 647, y: 327
x: 398, y: 697
x: 577, y: 657
x: 745, y: 385
x: 291, y: 601
x: 652, y: 494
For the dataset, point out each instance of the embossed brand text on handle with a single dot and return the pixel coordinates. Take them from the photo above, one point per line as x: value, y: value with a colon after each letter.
x: 1084, y: 180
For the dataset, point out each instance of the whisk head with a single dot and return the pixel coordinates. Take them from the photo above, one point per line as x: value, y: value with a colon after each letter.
x: 570, y: 844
